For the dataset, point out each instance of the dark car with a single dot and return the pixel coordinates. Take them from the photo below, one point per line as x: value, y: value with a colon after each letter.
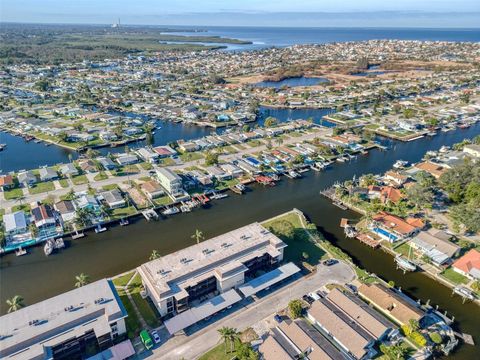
x: 330, y: 262
x: 308, y: 299
x: 277, y: 318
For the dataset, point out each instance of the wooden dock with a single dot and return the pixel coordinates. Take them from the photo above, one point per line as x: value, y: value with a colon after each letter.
x: 368, y: 240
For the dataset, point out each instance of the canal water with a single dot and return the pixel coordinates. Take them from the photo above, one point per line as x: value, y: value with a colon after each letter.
x: 36, y: 277
x: 20, y: 155
x: 292, y: 82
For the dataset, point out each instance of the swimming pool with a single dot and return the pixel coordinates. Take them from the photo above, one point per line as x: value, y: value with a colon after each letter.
x: 385, y: 234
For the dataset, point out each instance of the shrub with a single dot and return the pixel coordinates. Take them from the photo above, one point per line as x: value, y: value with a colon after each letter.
x: 295, y: 308
x: 436, y: 337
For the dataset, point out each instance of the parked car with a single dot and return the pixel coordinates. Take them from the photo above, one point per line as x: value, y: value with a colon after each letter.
x: 330, y: 262
x: 308, y: 299
x: 155, y: 336
x: 277, y: 318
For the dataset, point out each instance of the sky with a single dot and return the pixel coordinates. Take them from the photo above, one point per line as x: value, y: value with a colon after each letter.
x: 326, y: 13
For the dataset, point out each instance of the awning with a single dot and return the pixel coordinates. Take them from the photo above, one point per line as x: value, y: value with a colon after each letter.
x: 208, y: 308
x: 268, y: 279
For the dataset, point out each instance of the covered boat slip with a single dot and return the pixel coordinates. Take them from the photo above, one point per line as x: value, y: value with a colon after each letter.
x: 228, y: 298
x: 264, y: 281
x: 206, y: 309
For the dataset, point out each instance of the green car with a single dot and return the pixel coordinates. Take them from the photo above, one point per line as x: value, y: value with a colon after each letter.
x: 146, y: 339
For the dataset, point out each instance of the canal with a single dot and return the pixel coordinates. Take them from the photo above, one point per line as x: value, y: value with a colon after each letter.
x: 36, y: 277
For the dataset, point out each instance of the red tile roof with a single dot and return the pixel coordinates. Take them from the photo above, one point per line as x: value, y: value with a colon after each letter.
x: 469, y: 261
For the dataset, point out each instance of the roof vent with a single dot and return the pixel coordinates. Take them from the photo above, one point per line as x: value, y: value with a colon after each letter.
x: 100, y: 300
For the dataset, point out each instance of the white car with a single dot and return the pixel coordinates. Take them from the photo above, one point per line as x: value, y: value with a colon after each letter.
x: 155, y: 336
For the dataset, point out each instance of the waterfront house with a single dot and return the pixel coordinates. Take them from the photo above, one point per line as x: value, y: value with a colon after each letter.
x: 170, y: 181
x: 164, y: 151
x: 113, y: 198
x: 48, y: 174
x: 390, y: 194
x: 27, y: 178
x: 69, y: 170
x: 433, y: 169
x: 233, y: 170
x: 148, y: 155
x: 435, y: 246
x: 6, y: 182
x: 45, y: 221
x: 218, y: 173
x: 126, y: 159
x: 393, y: 228
x: 87, y: 165
x: 396, y: 306
x: 66, y: 209
x: 395, y: 177
x: 152, y: 189
x: 469, y: 265
x: 188, y: 146
x: 107, y: 163
x: 302, y: 339
x: 341, y: 329
x: 72, y: 325
x: 15, y: 225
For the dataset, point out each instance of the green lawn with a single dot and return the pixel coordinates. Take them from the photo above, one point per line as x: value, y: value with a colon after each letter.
x: 454, y: 277
x: 295, y: 134
x: 109, y: 187
x: 218, y: 352
x: 144, y: 306
x: 124, y: 279
x: 100, y: 176
x: 167, y: 162
x: 191, y: 156
x: 124, y: 211
x: 63, y: 183
x: 12, y: 194
x: 132, y: 321
x: 240, y: 146
x: 289, y: 228
x: 80, y: 179
x: 164, y: 200
x: 254, y: 143
x: 22, y: 207
x: 146, y: 166
x: 42, y: 187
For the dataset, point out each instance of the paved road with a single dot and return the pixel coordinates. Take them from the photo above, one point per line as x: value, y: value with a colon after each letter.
x: 191, y: 347
x: 57, y: 193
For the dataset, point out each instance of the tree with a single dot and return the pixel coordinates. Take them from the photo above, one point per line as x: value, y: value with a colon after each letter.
x: 233, y: 336
x: 413, y: 324
x: 15, y: 303
x: 225, y: 334
x: 81, y: 280
x: 211, y: 158
x: 270, y: 121
x: 154, y: 255
x: 84, y: 217
x: 295, y: 308
x: 33, y: 229
x: 245, y: 351
x: 91, y: 154
x: 394, y: 352
x: 198, y: 236
x: 436, y: 338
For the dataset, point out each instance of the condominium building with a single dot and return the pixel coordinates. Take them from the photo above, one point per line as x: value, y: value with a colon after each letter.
x: 73, y: 325
x: 227, y: 262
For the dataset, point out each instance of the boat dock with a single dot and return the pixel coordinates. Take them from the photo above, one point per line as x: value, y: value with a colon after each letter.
x: 368, y: 240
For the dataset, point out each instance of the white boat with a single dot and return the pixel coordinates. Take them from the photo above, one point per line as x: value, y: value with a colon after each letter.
x: 219, y: 196
x: 240, y: 187
x: 431, y: 153
x: 124, y: 222
x: 48, y: 248
x: 444, y: 149
x: 59, y: 243
x: 341, y: 159
x: 292, y: 174
x: 464, y: 292
x: 350, y: 231
x: 171, y: 211
x: 400, y: 164
x: 100, y: 229
x: 185, y: 208
x: 20, y: 251
x: 405, y: 264
x: 318, y: 166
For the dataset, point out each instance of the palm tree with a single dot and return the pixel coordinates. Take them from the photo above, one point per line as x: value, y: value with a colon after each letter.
x: 225, y: 333
x: 82, y: 280
x: 15, y: 303
x: 154, y: 255
x: 233, y: 335
x: 198, y: 236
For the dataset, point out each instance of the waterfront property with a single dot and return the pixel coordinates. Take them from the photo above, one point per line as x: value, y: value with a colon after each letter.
x: 171, y: 182
x: 352, y: 325
x: 75, y: 324
x: 435, y: 245
x: 469, y: 265
x: 395, y: 306
x: 393, y: 228
x: 186, y: 278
